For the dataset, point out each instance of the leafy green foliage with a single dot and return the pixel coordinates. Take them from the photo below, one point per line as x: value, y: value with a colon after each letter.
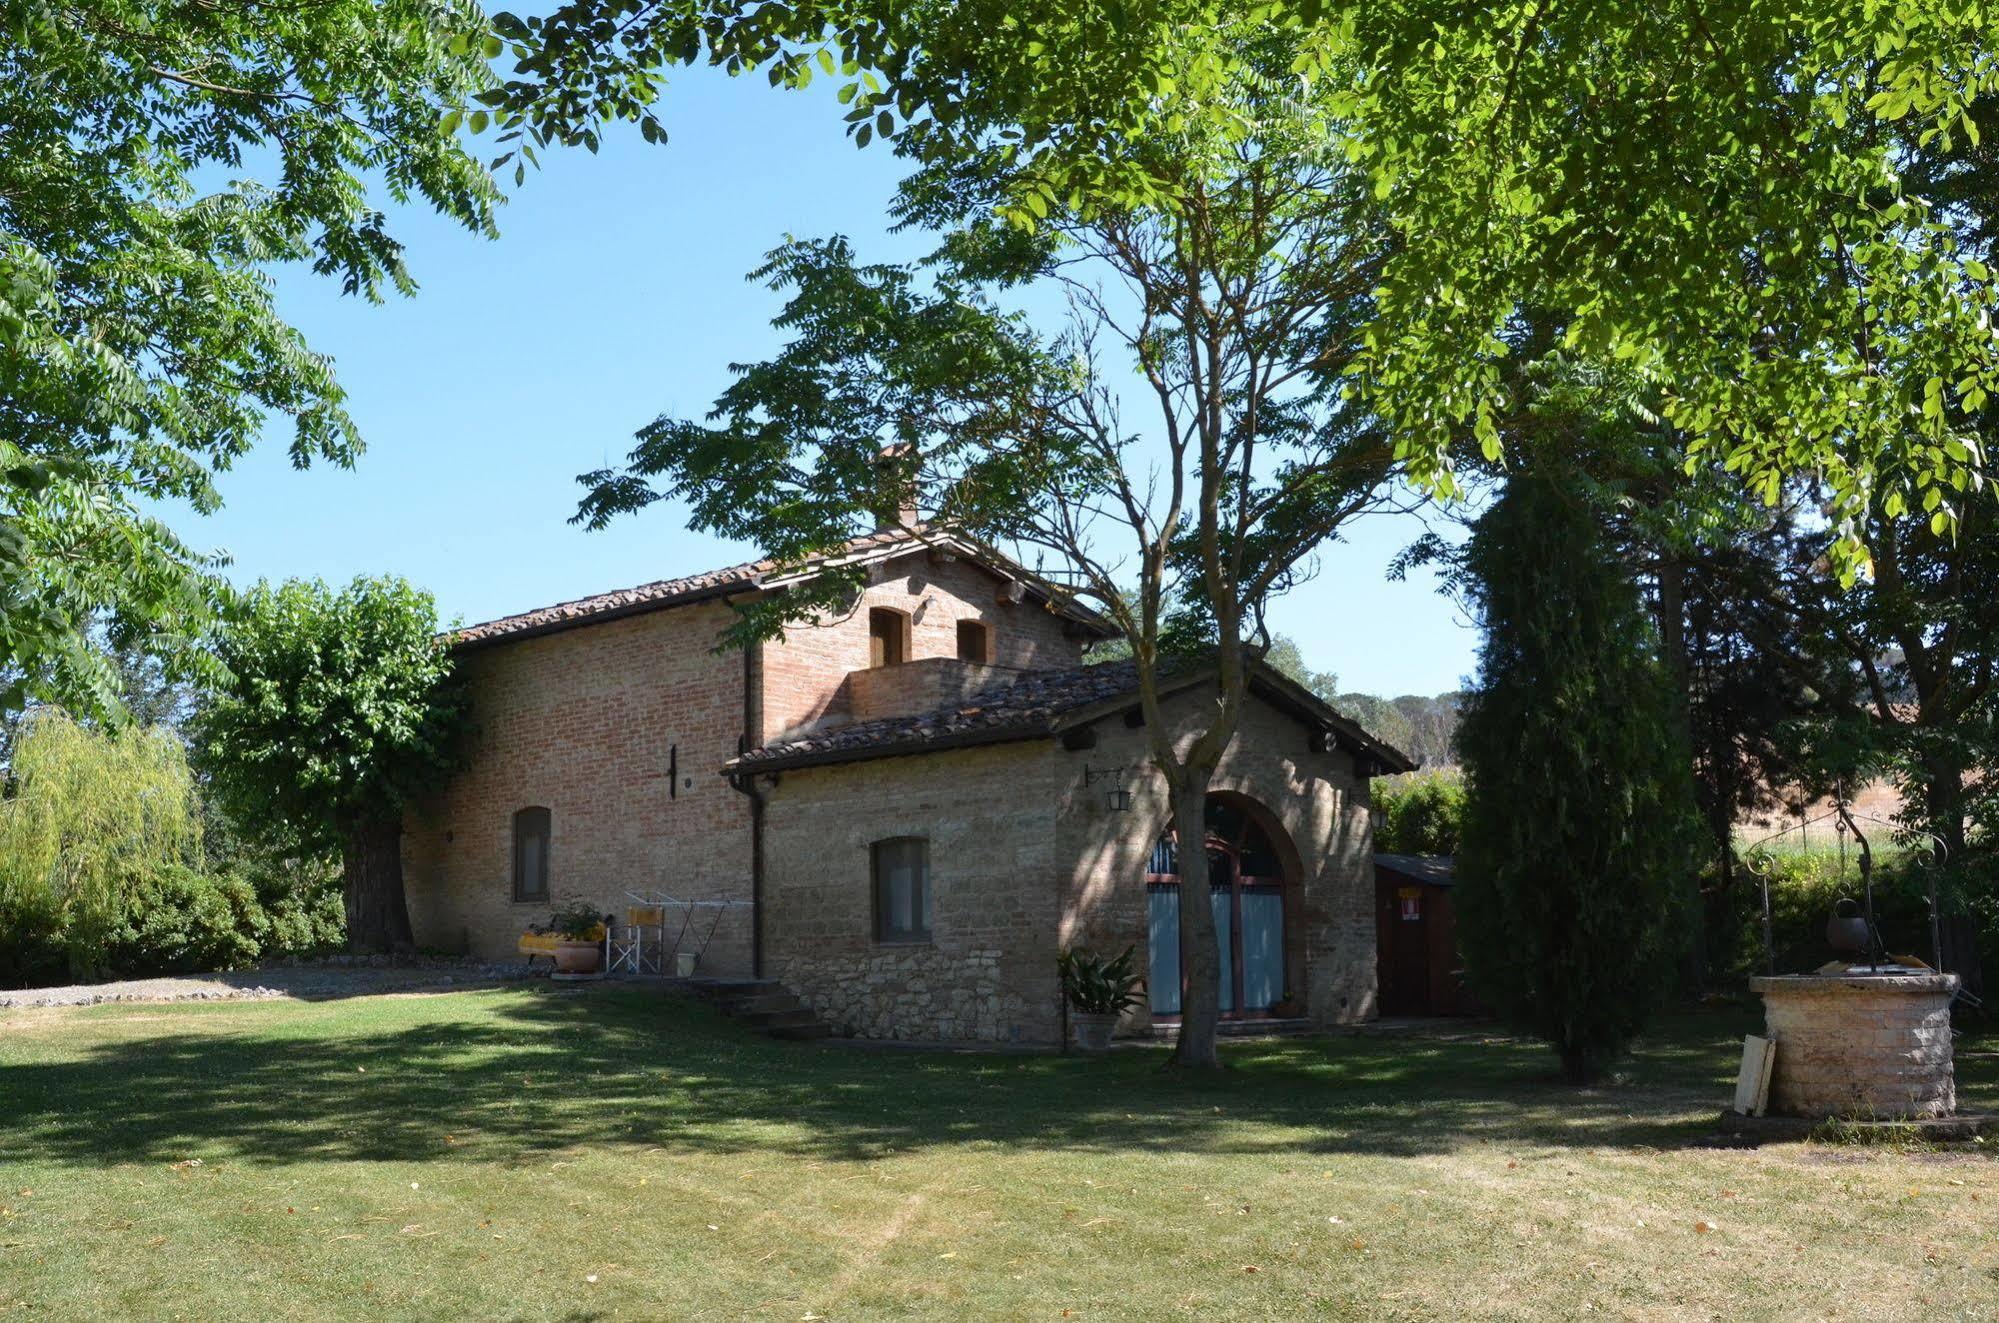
x: 1578, y: 847
x: 1419, y: 813
x: 103, y: 869
x: 1716, y: 200
x: 141, y: 351
x: 575, y: 920
x: 178, y: 921
x: 89, y: 813
x: 1099, y: 984
x: 342, y: 707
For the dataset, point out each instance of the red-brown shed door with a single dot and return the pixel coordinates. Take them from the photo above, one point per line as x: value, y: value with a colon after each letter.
x: 1404, y: 950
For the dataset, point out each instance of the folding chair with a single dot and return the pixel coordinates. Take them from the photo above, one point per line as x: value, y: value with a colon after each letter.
x: 639, y: 945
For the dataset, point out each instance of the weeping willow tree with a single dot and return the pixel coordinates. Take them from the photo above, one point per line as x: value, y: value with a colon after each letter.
x: 90, y: 812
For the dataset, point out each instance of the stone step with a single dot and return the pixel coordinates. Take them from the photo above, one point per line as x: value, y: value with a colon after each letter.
x: 783, y: 1015
x: 1243, y: 1029
x: 774, y: 1020
x: 721, y: 989
x: 761, y: 1003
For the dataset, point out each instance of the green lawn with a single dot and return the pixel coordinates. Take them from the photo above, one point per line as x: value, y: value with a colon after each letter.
x: 524, y: 1153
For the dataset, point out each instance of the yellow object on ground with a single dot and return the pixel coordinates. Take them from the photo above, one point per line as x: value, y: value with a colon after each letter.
x: 544, y: 944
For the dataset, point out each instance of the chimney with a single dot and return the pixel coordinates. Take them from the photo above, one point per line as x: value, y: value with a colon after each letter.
x: 896, y: 501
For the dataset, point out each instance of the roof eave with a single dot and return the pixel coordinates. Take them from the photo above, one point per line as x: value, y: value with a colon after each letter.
x: 965, y: 739
x: 1350, y: 733
x: 459, y: 643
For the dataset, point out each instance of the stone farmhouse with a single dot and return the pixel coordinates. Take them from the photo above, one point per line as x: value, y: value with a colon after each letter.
x: 916, y: 805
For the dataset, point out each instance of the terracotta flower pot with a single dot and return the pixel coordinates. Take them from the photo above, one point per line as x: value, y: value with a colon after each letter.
x: 1093, y: 1030
x: 573, y: 957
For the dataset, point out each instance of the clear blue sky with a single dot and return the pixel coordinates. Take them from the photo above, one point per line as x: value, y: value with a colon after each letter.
x: 615, y: 293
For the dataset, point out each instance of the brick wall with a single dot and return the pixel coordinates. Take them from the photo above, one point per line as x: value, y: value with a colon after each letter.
x: 923, y: 685
x: 1025, y: 860
x: 1864, y: 1046
x: 1314, y: 808
x: 805, y: 676
x: 584, y: 722
x: 988, y: 972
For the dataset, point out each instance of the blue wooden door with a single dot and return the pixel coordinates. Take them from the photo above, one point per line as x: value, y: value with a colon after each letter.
x: 1263, y: 950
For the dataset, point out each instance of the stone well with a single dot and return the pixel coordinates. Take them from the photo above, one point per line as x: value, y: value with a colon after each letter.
x: 1860, y: 1045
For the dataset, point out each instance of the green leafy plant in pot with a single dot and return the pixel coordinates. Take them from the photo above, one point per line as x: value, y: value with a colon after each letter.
x: 1098, y: 989
x: 581, y: 928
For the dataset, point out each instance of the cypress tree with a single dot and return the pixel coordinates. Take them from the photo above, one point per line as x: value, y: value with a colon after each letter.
x: 1580, y: 829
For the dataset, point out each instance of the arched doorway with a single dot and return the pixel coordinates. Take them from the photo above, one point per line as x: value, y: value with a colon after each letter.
x: 1247, y: 887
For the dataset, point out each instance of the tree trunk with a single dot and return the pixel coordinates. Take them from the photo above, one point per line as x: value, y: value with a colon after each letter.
x: 1579, y: 1067
x: 378, y: 917
x: 1200, y: 956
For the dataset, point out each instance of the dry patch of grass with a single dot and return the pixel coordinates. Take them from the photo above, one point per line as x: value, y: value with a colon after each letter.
x: 524, y: 1154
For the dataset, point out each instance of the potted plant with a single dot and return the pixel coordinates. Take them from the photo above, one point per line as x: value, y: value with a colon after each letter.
x: 1098, y: 989
x: 581, y: 930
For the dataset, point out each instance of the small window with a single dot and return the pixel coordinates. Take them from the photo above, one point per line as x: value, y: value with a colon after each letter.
x: 902, y: 890
x: 888, y: 636
x: 975, y: 642
x: 531, y: 855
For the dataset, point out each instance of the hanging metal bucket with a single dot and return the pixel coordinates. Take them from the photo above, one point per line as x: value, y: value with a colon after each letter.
x: 1846, y: 931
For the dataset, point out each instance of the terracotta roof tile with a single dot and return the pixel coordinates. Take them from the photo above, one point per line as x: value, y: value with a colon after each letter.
x: 1023, y: 709
x: 646, y: 596
x: 1034, y: 706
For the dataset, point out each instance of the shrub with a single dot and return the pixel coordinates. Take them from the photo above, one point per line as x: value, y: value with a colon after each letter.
x: 1419, y: 813
x: 576, y: 920
x: 178, y: 921
x: 306, y: 922
x: 1101, y: 985
x: 1804, y: 886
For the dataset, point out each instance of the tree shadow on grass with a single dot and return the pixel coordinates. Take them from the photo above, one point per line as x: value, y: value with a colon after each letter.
x: 522, y: 1072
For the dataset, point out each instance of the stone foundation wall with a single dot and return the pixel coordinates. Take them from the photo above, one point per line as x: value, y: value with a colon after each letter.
x: 1860, y: 1046
x: 988, y: 971
x: 919, y: 993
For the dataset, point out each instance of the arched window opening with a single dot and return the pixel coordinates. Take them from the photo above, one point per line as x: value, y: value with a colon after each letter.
x: 888, y: 636
x: 1246, y: 894
x: 531, y: 830
x: 975, y: 642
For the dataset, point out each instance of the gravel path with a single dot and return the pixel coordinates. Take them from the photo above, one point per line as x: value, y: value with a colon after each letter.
x: 307, y: 982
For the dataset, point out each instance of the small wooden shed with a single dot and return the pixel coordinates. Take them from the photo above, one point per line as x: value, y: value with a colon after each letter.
x: 1417, y: 969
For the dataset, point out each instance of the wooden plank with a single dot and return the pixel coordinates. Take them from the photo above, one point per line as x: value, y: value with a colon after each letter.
x: 1752, y: 1082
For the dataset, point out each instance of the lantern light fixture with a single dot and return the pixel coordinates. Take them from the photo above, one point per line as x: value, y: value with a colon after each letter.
x: 1117, y: 797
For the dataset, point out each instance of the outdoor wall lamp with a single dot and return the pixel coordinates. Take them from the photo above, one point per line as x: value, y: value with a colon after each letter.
x: 1117, y: 797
